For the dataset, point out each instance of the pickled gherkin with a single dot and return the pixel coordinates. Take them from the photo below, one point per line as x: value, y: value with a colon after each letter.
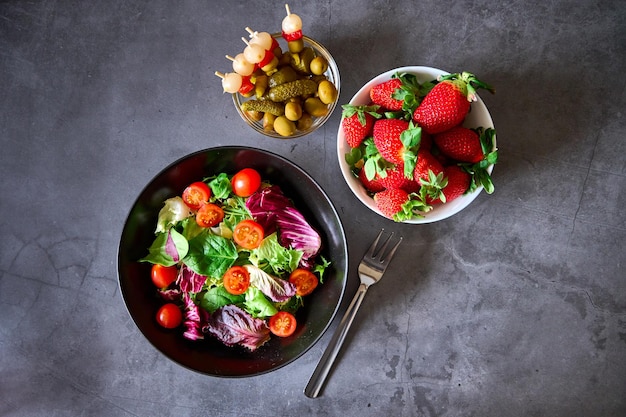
x: 284, y: 75
x: 264, y: 106
x: 296, y: 88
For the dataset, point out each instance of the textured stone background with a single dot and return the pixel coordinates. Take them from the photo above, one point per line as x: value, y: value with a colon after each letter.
x: 515, y: 307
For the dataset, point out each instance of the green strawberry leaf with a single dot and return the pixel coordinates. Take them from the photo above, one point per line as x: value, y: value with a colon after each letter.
x: 411, y: 92
x: 349, y: 110
x: 411, y: 139
x: 354, y: 156
x: 373, y: 162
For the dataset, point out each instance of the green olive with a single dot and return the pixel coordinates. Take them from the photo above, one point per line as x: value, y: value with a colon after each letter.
x: 327, y: 92
x: 268, y: 122
x: 315, y: 107
x: 284, y: 126
x: 293, y: 111
x: 255, y: 115
x: 305, y: 122
x: 295, y: 46
x: 319, y: 65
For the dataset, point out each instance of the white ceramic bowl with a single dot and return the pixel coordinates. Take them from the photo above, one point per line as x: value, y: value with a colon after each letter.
x: 478, y: 116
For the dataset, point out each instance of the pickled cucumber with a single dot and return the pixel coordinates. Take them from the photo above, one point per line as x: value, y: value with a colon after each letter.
x: 284, y: 75
x: 265, y: 106
x: 302, y: 61
x: 292, y: 89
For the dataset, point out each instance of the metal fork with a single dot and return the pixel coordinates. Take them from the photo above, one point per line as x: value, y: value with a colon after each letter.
x: 371, y: 270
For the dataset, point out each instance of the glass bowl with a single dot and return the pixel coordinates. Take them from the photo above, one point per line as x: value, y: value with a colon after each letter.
x: 332, y: 74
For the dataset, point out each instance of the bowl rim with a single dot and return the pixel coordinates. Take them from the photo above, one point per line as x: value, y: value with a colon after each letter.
x: 333, y: 71
x: 438, y: 213
x: 341, y: 274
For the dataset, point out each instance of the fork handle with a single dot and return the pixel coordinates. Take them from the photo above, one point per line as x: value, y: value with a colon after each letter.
x: 325, y: 364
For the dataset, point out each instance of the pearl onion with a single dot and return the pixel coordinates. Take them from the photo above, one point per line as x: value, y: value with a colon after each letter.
x: 263, y: 39
x: 254, y: 53
x: 231, y: 83
x: 291, y: 23
x: 242, y: 66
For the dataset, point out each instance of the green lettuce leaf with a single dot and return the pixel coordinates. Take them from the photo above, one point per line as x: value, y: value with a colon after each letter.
x: 257, y: 304
x: 216, y: 297
x: 273, y: 258
x: 210, y: 255
x: 163, y: 254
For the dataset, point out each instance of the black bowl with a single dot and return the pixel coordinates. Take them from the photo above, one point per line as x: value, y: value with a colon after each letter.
x: 209, y: 356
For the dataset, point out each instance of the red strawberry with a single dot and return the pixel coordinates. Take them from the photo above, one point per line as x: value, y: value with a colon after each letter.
x: 374, y: 185
x: 390, y: 202
x: 386, y: 134
x: 397, y: 142
x: 426, y: 162
x: 447, y: 104
x: 382, y: 94
x: 357, y: 123
x: 461, y: 144
x: 458, y: 183
x: 395, y: 179
x: 426, y: 141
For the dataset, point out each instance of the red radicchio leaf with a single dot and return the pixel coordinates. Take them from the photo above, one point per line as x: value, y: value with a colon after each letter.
x: 189, y: 281
x: 170, y: 247
x: 194, y: 319
x: 232, y: 325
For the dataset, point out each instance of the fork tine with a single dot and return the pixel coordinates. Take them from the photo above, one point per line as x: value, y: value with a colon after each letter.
x: 372, y: 248
x: 392, y: 252
x: 379, y: 253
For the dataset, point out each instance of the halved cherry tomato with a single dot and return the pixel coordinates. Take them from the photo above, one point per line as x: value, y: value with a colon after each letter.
x: 196, y: 194
x: 248, y: 234
x: 236, y: 280
x: 209, y: 215
x: 163, y: 276
x: 246, y: 182
x: 304, y: 280
x: 169, y: 316
x: 283, y: 324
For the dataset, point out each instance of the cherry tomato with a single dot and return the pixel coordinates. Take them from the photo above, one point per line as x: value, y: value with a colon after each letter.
x: 283, y: 324
x: 169, y: 316
x: 209, y: 215
x: 304, y: 280
x: 163, y: 276
x: 196, y: 194
x: 236, y: 280
x: 248, y: 234
x: 246, y: 182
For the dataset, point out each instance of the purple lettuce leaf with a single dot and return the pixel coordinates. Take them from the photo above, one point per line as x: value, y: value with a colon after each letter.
x: 194, y: 319
x: 273, y: 211
x: 189, y: 281
x: 232, y: 325
x: 265, y: 206
x: 297, y: 233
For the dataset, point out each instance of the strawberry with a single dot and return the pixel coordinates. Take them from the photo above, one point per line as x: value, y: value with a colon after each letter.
x: 390, y: 202
x: 397, y: 141
x: 374, y: 185
x: 447, y: 104
x: 458, y: 183
x: 394, y: 178
x: 461, y: 144
x: 386, y: 134
x: 382, y: 94
x: 426, y: 162
x: 357, y: 123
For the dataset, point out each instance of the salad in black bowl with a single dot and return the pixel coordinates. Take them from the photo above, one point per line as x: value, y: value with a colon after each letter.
x: 232, y: 262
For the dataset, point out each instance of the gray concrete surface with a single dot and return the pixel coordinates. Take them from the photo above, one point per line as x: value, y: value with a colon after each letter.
x: 515, y: 307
